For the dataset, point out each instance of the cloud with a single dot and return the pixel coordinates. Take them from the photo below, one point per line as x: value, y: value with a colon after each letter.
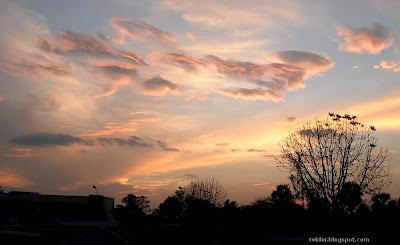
x: 72, y: 43
x: 356, y: 67
x: 191, y: 36
x: 251, y: 94
x: 20, y: 153
x: 47, y: 139
x: 111, y: 128
x: 11, y: 179
x: 292, y: 76
x: 24, y: 68
x: 255, y: 150
x: 119, y: 74
x: 261, y: 184
x: 158, y: 86
x: 222, y: 144
x: 133, y: 141
x: 290, y: 119
x: 312, y: 63
x: 163, y: 145
x: 138, y: 30
x: 1, y: 98
x: 371, y: 40
x: 184, y: 61
x: 390, y: 65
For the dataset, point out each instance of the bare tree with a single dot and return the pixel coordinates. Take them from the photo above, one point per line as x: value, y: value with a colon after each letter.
x: 322, y: 156
x: 209, y: 190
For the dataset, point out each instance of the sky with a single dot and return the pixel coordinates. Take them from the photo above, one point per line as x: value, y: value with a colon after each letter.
x: 145, y: 96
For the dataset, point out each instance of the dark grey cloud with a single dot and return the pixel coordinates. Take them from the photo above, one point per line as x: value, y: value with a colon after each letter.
x: 290, y: 119
x: 132, y: 141
x: 158, y: 86
x: 163, y: 145
x: 48, y: 140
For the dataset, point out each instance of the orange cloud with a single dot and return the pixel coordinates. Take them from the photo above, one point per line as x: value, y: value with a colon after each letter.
x: 312, y: 63
x: 391, y: 65
x: 112, y: 128
x: 24, y: 68
x: 72, y: 43
x: 371, y: 40
x: 119, y: 74
x: 261, y: 184
x: 138, y: 30
x: 11, y: 179
x: 191, y: 36
x: 188, y: 63
x: 251, y: 94
x: 20, y: 153
x: 1, y: 97
x: 158, y: 86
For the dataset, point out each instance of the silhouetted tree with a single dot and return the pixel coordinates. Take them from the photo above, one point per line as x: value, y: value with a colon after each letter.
x: 323, y: 156
x: 350, y: 197
x: 380, y: 202
x: 282, y: 196
x: 208, y: 190
x: 171, y: 210
x: 134, y: 207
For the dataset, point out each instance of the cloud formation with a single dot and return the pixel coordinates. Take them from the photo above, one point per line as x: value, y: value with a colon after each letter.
x: 72, y: 43
x: 251, y: 94
x: 48, y: 139
x: 370, y: 40
x: 132, y: 141
x: 312, y: 63
x: 138, y: 30
x: 163, y: 145
x: 184, y: 61
x: 20, y: 153
x: 119, y: 74
x: 390, y: 65
x: 111, y: 128
x: 24, y: 68
x: 157, y: 86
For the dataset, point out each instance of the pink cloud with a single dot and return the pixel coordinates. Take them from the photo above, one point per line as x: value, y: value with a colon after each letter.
x: 371, y: 40
x: 24, y: 68
x: 390, y: 65
x: 187, y: 62
x: 191, y: 36
x: 118, y: 74
x: 138, y: 30
x: 261, y: 184
x: 158, y: 86
x: 311, y: 62
x: 72, y: 43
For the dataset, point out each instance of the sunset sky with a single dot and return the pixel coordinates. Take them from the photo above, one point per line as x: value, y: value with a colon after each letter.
x: 144, y: 96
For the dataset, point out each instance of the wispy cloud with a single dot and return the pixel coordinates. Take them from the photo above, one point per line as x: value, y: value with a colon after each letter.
x: 261, y: 184
x: 371, y: 40
x: 184, y: 61
x: 157, y: 86
x: 20, y: 153
x: 73, y: 44
x: 138, y: 30
x: 111, y: 128
x: 163, y: 145
x: 251, y: 94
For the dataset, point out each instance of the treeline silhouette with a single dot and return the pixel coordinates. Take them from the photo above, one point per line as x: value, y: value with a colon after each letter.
x: 189, y: 218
